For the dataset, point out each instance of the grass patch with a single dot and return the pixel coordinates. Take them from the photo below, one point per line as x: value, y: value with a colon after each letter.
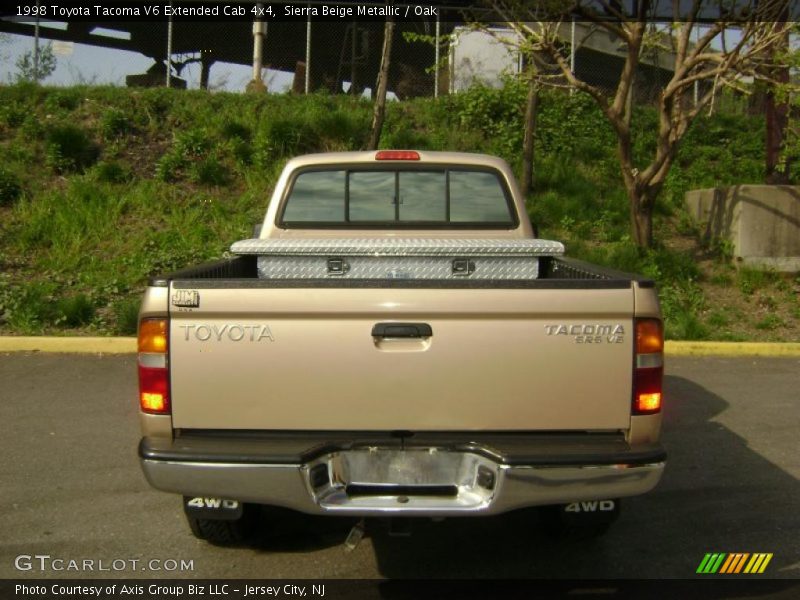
x: 112, y: 172
x: 74, y: 311
x: 770, y: 322
x: 751, y: 280
x: 718, y: 319
x: 10, y: 187
x: 70, y: 149
x: 115, y: 123
x: 126, y: 316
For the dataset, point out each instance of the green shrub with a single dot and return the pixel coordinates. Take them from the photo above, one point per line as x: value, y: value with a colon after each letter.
x: 112, y: 172
x: 63, y: 100
x: 10, y: 187
x: 234, y: 130
x: 497, y: 113
x: 169, y: 166
x: 27, y: 308
x: 685, y: 325
x: 405, y: 138
x: 126, y: 316
x: 770, y: 322
x: 681, y: 303
x: 157, y: 102
x: 718, y: 319
x: 192, y: 143
x: 74, y: 311
x: 114, y: 124
x: 721, y: 279
x: 70, y: 149
x: 287, y: 136
x: 210, y: 171
x: 751, y: 280
x: 242, y: 152
x: 32, y: 127
x: 338, y: 130
x: 13, y: 114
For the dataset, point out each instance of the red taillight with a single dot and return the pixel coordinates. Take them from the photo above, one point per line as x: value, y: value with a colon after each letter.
x: 647, y: 390
x: 153, y: 390
x: 397, y: 155
x: 153, y: 371
x: 648, y: 373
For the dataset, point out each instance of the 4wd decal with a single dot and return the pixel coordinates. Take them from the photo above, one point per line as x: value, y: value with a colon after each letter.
x: 202, y: 507
x: 590, y: 506
x: 200, y: 502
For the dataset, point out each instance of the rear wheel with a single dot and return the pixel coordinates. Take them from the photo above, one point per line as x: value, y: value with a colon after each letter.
x: 223, y: 531
x: 579, y: 520
x: 220, y: 533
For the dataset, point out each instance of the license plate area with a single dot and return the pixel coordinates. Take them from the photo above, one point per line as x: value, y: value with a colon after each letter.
x: 419, y: 480
x: 401, y: 490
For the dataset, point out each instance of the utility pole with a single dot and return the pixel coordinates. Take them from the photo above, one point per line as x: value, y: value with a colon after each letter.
x: 259, y: 31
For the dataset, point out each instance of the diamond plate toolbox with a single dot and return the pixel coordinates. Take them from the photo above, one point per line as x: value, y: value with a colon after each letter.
x: 398, y: 258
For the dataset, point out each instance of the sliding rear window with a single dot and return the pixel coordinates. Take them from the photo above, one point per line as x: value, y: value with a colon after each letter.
x: 398, y: 198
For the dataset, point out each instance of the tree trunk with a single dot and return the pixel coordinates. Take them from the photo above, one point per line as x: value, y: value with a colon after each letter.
x: 531, y: 110
x: 641, y: 218
x: 777, y: 120
x: 383, y: 80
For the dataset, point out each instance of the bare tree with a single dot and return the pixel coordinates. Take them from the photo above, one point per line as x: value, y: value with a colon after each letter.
x: 712, y: 61
x: 785, y: 97
x: 383, y: 81
x: 531, y: 112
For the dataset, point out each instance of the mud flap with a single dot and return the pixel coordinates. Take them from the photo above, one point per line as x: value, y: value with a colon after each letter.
x: 589, y: 512
x: 203, y: 507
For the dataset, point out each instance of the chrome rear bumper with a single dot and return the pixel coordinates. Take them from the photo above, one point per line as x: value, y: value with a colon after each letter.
x: 413, y: 481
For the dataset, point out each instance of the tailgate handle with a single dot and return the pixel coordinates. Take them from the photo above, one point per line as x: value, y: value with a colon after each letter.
x: 402, y: 330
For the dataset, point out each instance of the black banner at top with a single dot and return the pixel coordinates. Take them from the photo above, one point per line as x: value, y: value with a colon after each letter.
x: 402, y: 10
x: 235, y: 10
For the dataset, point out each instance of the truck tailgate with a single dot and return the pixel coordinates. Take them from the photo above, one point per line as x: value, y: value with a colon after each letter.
x: 269, y: 357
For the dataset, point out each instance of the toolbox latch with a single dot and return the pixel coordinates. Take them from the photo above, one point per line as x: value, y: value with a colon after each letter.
x: 337, y: 266
x: 463, y: 267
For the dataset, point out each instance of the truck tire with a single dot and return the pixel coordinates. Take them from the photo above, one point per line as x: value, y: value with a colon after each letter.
x: 559, y: 524
x: 224, y: 532
x: 576, y: 532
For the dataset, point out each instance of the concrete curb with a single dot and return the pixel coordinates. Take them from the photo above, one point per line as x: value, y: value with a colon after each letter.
x: 85, y: 345
x: 680, y: 348
x: 127, y: 345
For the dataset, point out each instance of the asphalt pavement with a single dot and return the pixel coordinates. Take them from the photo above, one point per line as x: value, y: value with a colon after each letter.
x: 71, y: 489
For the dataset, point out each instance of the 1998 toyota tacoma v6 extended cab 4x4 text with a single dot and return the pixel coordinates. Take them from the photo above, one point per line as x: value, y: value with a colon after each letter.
x: 396, y: 342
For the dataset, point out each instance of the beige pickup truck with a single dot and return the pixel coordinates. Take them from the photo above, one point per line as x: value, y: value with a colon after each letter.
x: 396, y: 342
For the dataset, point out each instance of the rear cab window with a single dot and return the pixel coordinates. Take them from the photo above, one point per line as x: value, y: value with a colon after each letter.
x: 398, y: 197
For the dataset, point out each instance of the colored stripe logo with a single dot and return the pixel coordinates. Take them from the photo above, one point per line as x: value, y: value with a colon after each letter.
x: 734, y: 563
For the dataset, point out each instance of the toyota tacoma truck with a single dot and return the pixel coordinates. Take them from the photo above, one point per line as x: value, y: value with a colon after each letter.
x: 395, y: 341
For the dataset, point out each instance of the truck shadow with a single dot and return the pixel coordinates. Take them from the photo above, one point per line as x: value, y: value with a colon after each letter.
x: 717, y: 495
x: 283, y: 530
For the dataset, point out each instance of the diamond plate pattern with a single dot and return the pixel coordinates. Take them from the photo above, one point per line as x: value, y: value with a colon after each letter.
x: 396, y: 267
x: 399, y: 247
